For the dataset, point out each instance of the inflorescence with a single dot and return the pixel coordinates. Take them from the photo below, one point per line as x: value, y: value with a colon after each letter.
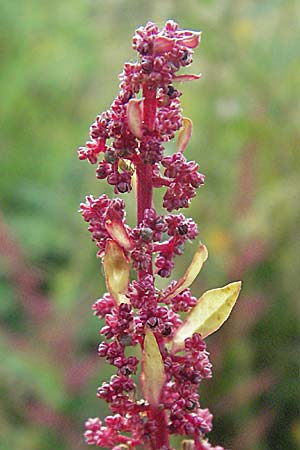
x: 127, y: 145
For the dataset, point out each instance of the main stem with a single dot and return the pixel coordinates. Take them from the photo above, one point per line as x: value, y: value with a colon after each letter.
x: 144, y: 189
x: 144, y: 171
x: 144, y: 201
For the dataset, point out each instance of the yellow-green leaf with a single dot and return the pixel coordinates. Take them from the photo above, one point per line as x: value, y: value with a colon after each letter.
x: 116, y: 269
x: 211, y: 311
x: 193, y: 270
x: 119, y: 233
x: 185, y: 134
x: 153, y: 375
x: 135, y: 117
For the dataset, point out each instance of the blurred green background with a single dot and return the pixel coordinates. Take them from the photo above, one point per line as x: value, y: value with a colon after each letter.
x: 59, y: 66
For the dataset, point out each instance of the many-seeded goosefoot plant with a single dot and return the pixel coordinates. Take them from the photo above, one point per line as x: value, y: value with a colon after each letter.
x: 130, y: 138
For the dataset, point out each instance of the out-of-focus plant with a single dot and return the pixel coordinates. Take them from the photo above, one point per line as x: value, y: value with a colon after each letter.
x: 173, y: 360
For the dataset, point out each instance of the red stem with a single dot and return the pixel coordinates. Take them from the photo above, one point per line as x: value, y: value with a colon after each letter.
x: 144, y: 177
x: 149, y: 106
x: 144, y: 171
x: 165, y: 247
x: 144, y: 189
x: 161, y: 437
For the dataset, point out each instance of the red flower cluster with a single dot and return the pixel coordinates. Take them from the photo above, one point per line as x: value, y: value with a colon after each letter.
x: 130, y: 138
x: 162, y: 54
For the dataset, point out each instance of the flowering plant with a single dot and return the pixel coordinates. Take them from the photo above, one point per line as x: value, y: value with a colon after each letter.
x: 140, y: 319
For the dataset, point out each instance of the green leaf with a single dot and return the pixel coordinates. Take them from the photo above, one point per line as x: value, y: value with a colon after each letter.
x: 153, y: 375
x: 209, y: 314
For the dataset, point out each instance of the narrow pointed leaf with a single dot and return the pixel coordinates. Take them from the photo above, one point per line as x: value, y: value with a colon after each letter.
x: 153, y: 370
x: 135, y: 117
x: 193, y: 270
x: 116, y: 269
x: 184, y: 134
x: 119, y: 233
x: 187, y: 77
x: 209, y: 314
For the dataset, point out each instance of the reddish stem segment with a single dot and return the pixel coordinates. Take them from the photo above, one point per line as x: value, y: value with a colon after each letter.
x: 161, y: 436
x: 144, y: 189
x: 144, y: 174
x: 144, y: 171
x: 149, y: 108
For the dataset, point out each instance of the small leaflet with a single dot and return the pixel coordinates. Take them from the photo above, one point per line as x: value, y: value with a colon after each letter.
x: 135, y: 117
x: 184, y: 134
x: 116, y: 269
x: 209, y: 314
x: 119, y: 233
x: 187, y: 77
x: 190, y: 275
x: 154, y: 373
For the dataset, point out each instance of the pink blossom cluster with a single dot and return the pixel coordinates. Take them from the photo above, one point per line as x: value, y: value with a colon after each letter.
x: 127, y: 141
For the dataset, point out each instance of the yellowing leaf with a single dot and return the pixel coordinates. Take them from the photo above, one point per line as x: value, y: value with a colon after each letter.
x: 153, y: 370
x: 193, y: 270
x: 119, y: 233
x: 116, y: 269
x: 135, y: 117
x: 184, y: 134
x: 207, y: 316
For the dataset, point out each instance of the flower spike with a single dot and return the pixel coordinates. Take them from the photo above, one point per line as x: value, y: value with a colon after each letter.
x: 127, y: 143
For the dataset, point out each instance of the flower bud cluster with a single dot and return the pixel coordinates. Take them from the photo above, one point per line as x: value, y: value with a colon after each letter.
x: 184, y: 374
x: 96, y: 212
x: 163, y: 52
x: 180, y: 229
x: 184, y: 180
x: 128, y: 141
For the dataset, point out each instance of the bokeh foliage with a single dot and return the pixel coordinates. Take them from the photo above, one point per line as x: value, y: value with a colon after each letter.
x: 59, y: 66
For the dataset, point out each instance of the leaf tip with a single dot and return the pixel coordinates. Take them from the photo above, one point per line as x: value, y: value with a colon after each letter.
x: 204, y: 251
x: 236, y: 285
